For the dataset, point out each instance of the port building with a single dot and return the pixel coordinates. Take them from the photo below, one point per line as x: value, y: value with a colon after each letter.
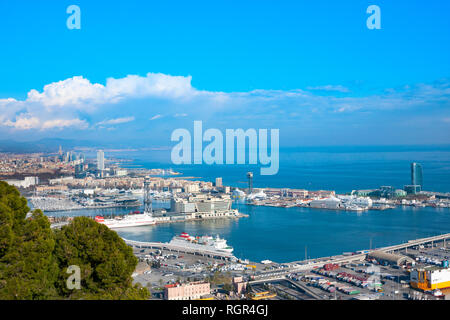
x: 390, y: 258
x: 188, y: 291
x: 179, y: 205
x: 200, y: 203
x: 293, y: 193
x: 212, y: 204
x: 202, y: 206
x: 384, y: 192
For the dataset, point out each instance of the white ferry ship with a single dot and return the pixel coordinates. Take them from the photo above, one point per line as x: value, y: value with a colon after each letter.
x: 135, y: 219
x: 204, y: 243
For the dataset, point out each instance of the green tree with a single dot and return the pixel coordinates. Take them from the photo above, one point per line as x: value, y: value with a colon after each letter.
x: 105, y: 261
x: 34, y: 259
x: 28, y: 268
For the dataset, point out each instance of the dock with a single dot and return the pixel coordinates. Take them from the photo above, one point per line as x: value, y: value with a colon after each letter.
x: 171, y: 247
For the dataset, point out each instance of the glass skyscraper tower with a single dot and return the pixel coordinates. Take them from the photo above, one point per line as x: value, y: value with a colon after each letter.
x: 416, y: 174
x: 100, y: 160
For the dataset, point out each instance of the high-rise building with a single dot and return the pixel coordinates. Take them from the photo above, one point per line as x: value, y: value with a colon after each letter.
x: 219, y: 182
x: 250, y: 182
x: 78, y: 169
x: 416, y: 174
x: 100, y: 160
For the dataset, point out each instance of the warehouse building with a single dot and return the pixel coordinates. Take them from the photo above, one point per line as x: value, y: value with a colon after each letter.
x: 390, y: 258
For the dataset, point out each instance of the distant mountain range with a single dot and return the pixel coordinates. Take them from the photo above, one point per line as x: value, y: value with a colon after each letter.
x: 50, y: 145
x: 45, y: 145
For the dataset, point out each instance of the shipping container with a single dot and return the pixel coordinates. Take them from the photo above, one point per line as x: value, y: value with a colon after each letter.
x: 354, y: 292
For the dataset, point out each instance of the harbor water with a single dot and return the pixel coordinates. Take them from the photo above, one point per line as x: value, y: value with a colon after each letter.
x: 281, y: 234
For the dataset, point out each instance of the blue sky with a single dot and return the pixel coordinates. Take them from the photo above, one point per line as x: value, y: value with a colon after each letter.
x: 310, y: 68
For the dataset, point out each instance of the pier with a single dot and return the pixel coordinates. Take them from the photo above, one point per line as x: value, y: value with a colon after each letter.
x: 171, y: 247
x: 65, y: 220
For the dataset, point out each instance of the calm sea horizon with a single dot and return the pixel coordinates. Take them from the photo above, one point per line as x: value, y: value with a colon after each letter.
x: 342, y: 169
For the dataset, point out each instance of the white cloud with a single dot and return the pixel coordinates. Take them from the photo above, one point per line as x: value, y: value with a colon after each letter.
x: 27, y: 122
x: 64, y: 123
x: 347, y: 108
x: 78, y: 91
x: 60, y: 103
x: 329, y: 87
x: 78, y: 103
x: 24, y: 123
x: 72, y: 91
x: 153, y: 85
x: 156, y: 117
x: 115, y: 121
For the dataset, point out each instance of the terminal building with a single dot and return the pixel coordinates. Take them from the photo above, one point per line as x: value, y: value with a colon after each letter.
x: 390, y: 258
x: 179, y: 205
x: 293, y: 193
x: 388, y: 192
x: 202, y: 206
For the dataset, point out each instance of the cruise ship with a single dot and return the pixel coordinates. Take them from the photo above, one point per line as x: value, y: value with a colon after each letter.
x: 135, y: 219
x: 203, y: 243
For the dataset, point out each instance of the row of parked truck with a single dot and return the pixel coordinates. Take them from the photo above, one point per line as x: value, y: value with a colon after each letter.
x: 359, y: 281
x: 332, y: 286
x: 435, y: 261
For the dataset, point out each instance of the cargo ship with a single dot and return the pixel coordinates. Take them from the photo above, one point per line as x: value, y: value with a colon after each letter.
x: 203, y: 243
x: 134, y: 219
